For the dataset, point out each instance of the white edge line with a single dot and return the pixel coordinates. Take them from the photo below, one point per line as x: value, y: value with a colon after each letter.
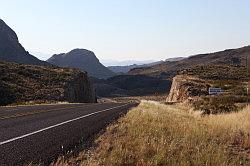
x: 59, y: 124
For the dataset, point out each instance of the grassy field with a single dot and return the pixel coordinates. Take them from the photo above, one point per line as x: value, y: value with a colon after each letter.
x: 156, y: 134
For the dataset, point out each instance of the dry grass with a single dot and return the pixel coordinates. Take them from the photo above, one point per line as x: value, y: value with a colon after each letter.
x: 160, y: 97
x: 156, y: 134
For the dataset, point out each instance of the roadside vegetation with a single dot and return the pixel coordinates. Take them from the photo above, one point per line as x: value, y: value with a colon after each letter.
x: 158, y: 134
x: 220, y: 104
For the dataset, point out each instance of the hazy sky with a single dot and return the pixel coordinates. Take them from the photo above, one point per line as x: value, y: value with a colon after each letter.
x: 129, y: 29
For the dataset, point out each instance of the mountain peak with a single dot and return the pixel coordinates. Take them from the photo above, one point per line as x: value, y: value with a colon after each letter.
x: 82, y: 59
x: 11, y: 50
x: 81, y: 50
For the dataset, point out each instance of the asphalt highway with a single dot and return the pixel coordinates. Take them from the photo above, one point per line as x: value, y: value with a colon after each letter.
x: 41, y: 133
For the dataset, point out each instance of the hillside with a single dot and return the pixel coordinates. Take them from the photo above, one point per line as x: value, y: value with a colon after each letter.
x: 11, y: 50
x: 28, y: 83
x: 235, y: 57
x: 125, y: 69
x: 84, y: 60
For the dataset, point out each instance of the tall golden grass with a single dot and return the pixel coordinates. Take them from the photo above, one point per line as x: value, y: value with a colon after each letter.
x: 156, y: 134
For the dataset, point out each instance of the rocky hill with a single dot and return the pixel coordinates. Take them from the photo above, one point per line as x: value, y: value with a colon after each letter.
x: 84, y: 60
x: 11, y: 50
x: 195, y: 81
x: 192, y: 86
x: 168, y: 69
x: 29, y: 83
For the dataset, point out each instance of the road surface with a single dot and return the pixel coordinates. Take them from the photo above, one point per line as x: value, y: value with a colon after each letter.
x: 41, y: 133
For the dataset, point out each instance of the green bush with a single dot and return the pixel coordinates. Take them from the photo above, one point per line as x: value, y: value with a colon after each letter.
x: 7, y: 94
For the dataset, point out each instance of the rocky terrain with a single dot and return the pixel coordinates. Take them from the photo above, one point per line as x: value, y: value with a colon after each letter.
x: 29, y: 83
x: 186, y: 87
x: 11, y: 50
x: 84, y: 60
x: 168, y: 69
x: 192, y: 86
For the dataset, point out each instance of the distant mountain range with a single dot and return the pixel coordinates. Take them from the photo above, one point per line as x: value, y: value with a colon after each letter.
x: 84, y: 60
x: 110, y: 62
x: 126, y: 69
x: 168, y: 69
x: 11, y: 50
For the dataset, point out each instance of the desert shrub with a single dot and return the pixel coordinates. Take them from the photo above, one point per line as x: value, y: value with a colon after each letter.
x: 7, y: 94
x: 216, y: 105
x: 219, y: 72
x: 233, y: 98
x: 231, y: 86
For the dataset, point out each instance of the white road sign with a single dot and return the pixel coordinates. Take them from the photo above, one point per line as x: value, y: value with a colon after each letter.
x: 214, y: 91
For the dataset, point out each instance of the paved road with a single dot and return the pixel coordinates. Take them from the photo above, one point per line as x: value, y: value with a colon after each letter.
x: 41, y: 133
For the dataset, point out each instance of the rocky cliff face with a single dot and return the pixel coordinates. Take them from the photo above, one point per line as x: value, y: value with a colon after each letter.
x: 26, y: 83
x: 84, y: 60
x: 79, y: 89
x: 186, y: 87
x: 11, y: 50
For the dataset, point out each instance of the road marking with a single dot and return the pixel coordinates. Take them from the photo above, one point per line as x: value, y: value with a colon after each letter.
x: 11, y: 110
x: 36, y: 112
x: 60, y: 124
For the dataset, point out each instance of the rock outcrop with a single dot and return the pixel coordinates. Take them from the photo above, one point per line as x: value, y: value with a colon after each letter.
x: 84, y: 60
x: 11, y: 50
x: 186, y: 87
x: 28, y: 83
x: 79, y: 89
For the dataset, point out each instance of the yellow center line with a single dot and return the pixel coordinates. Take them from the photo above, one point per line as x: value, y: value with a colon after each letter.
x: 37, y: 112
